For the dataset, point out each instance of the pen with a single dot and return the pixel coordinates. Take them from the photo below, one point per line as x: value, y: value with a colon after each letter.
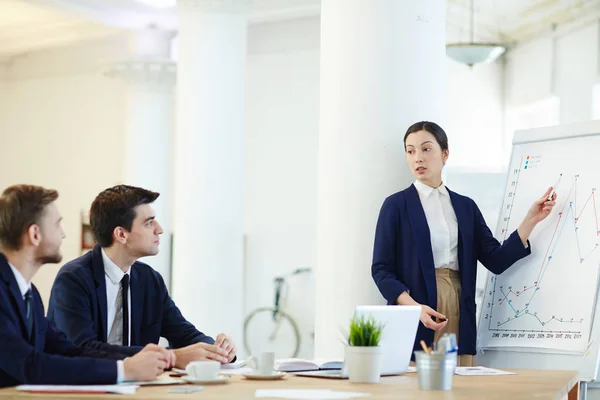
x: 554, y: 188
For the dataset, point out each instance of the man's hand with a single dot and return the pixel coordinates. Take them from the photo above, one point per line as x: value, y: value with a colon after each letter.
x: 168, y: 354
x: 223, y: 341
x: 145, y: 365
x: 199, y: 352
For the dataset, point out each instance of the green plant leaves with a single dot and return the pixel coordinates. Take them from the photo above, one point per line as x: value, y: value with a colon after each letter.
x: 364, y: 332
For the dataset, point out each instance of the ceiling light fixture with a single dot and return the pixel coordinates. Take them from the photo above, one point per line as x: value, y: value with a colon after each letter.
x: 472, y: 53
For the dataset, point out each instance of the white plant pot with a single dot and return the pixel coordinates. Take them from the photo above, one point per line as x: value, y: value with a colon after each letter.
x: 364, y: 363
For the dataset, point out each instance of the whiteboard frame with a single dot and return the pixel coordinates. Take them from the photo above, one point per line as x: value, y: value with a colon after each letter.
x: 588, y: 365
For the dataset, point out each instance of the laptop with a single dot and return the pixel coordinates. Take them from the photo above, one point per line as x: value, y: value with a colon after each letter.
x: 397, y: 339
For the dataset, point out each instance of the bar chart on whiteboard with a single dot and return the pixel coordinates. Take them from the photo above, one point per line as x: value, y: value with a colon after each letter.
x: 547, y: 300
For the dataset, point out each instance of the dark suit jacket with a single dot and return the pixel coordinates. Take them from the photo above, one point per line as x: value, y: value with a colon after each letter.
x: 78, y: 307
x: 49, y: 357
x: 403, y: 258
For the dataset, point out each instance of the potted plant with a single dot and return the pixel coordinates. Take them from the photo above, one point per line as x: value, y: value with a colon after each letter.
x: 363, y: 353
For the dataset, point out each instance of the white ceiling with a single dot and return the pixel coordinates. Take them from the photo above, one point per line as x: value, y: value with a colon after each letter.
x: 511, y: 21
x: 27, y: 25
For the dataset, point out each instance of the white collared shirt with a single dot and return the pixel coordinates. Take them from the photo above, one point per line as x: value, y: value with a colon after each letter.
x: 443, y: 226
x: 24, y: 286
x: 114, y: 301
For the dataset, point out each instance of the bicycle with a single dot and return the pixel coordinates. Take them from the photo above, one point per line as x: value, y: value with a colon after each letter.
x: 284, y: 332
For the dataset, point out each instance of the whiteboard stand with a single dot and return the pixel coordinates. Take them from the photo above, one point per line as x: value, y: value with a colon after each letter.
x: 585, y: 137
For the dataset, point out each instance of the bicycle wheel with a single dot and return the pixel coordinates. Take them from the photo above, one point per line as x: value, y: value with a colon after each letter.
x: 265, y: 332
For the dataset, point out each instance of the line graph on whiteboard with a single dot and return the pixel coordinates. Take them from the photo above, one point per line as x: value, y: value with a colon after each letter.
x: 547, y: 299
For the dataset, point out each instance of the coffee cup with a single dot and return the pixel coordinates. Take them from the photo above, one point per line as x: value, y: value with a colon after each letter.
x: 205, y: 370
x: 263, y: 364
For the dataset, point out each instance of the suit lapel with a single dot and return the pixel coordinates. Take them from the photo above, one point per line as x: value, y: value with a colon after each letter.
x: 100, y: 283
x: 138, y: 293
x: 8, y: 277
x: 418, y: 223
x: 461, y: 218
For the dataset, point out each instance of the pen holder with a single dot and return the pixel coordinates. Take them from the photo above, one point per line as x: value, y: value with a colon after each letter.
x: 448, y: 343
x: 435, y: 370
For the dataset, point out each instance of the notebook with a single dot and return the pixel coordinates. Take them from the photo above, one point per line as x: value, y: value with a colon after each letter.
x: 299, y: 364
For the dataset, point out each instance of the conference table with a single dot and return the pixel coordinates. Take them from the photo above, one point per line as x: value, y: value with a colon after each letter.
x: 526, y: 384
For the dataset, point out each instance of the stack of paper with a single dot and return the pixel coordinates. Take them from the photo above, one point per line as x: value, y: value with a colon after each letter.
x: 307, y: 394
x: 478, y: 371
x: 118, y: 389
x: 160, y: 381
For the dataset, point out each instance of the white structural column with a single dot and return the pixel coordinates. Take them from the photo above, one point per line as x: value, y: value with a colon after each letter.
x: 208, y: 218
x: 149, y: 75
x: 382, y: 69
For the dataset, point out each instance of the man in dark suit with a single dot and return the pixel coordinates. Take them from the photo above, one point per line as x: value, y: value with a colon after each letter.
x: 106, y: 299
x: 32, y: 350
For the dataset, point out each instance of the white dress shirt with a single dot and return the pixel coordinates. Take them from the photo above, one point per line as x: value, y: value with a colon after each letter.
x: 114, y: 301
x: 443, y: 226
x: 25, y: 286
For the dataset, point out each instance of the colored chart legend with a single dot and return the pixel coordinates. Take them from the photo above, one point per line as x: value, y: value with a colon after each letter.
x: 531, y: 162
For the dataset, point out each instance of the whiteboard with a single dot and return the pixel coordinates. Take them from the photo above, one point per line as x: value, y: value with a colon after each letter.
x: 542, y: 312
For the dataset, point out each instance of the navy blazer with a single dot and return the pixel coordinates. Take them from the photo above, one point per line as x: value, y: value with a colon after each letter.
x: 78, y: 307
x: 49, y: 357
x: 403, y: 258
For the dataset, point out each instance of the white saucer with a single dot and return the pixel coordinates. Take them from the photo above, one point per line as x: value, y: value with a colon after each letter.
x: 216, y: 381
x: 261, y: 377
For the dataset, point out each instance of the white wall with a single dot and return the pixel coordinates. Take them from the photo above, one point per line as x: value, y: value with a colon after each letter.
x: 3, y: 98
x: 564, y: 65
x: 475, y: 116
x: 63, y: 128
x: 282, y: 117
x: 576, y: 73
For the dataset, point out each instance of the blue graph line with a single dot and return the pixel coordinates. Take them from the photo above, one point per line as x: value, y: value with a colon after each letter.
x: 516, y: 312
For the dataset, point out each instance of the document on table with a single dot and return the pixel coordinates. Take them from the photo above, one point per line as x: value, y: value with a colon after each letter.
x: 162, y: 380
x: 480, y: 371
x: 307, y: 394
x: 118, y: 389
x: 235, y: 365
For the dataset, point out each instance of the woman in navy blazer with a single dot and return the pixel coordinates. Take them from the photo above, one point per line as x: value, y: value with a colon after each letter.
x: 428, y: 241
